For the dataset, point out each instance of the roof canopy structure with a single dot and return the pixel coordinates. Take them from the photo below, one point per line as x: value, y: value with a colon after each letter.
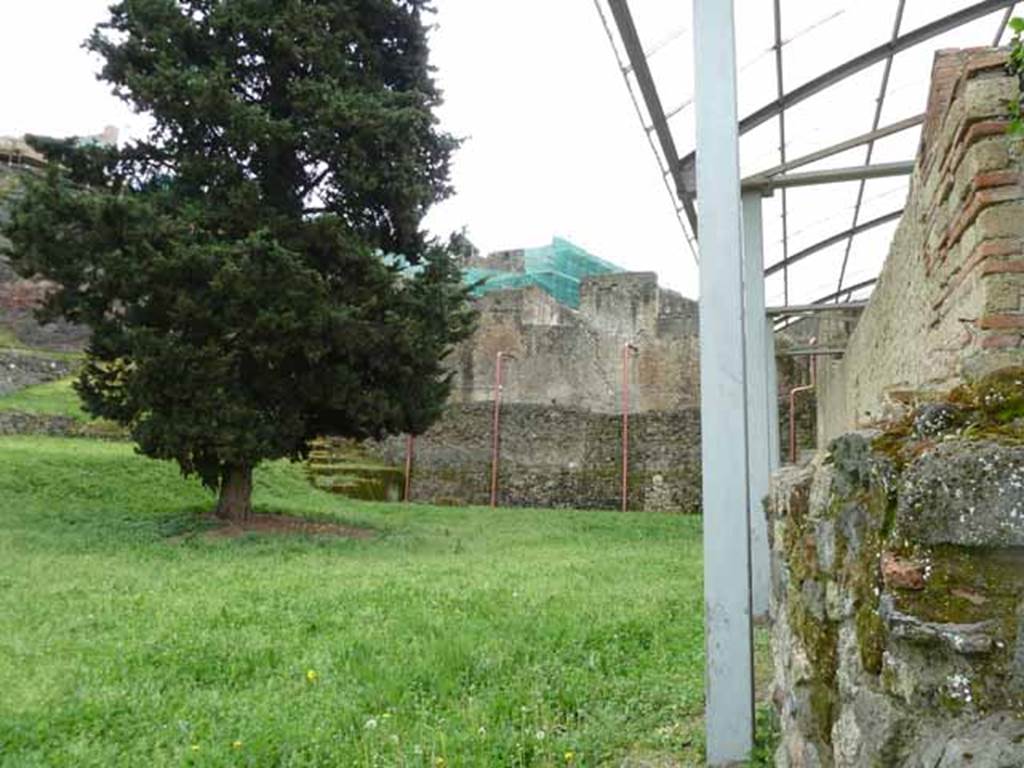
x: 823, y: 86
x: 786, y: 131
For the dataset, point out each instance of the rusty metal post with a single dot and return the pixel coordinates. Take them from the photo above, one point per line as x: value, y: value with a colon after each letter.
x: 812, y: 365
x: 410, y: 446
x: 627, y: 349
x: 496, y: 427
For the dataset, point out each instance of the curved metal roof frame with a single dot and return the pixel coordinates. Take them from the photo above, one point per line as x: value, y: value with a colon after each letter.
x: 681, y: 168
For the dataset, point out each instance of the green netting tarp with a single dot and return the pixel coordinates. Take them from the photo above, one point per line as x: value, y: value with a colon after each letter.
x: 557, y: 269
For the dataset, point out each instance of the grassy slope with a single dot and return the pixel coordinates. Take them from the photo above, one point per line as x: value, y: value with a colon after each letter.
x: 457, y: 636
x: 55, y: 398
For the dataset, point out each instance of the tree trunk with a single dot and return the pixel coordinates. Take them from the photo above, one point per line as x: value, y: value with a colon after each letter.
x: 235, y: 501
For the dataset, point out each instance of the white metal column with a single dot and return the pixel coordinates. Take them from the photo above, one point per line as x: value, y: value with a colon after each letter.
x: 759, y: 429
x: 774, y: 449
x: 727, y: 620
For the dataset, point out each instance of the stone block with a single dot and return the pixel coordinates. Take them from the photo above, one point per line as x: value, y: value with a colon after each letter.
x: 987, y: 97
x: 989, y: 154
x: 961, y: 493
x: 1004, y: 292
x: 1002, y: 220
x: 997, y: 741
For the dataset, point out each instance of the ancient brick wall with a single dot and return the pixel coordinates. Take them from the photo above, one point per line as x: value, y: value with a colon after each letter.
x: 556, y: 457
x: 897, y: 579
x: 573, y: 358
x: 948, y: 306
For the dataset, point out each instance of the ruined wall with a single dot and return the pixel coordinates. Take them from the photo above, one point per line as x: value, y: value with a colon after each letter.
x: 898, y: 590
x: 556, y: 457
x: 573, y: 358
x: 20, y: 297
x: 948, y: 306
x: 561, y: 422
x: 898, y: 552
x: 20, y: 369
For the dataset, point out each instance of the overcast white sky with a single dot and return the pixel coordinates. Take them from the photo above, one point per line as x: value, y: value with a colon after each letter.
x: 553, y: 146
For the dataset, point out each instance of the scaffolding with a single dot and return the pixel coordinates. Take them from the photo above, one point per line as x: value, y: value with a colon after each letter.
x: 558, y: 269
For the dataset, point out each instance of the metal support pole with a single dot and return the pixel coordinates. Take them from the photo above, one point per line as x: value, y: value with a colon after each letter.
x: 627, y: 349
x: 774, y: 447
x: 729, y: 707
x: 759, y: 461
x: 410, y: 447
x: 812, y: 369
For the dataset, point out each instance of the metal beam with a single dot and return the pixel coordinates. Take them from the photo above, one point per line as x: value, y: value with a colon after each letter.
x: 868, y: 59
x: 835, y: 149
x: 812, y: 309
x: 638, y: 62
x: 872, y: 57
x: 849, y: 289
x: 879, y: 104
x: 729, y: 699
x: 1002, y: 24
x: 812, y: 351
x: 664, y: 165
x: 758, y: 453
x: 830, y: 241
x: 780, y: 91
x: 828, y: 176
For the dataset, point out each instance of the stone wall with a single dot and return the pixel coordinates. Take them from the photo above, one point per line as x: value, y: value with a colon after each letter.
x: 949, y: 305
x: 19, y: 370
x: 20, y: 297
x: 51, y: 425
x: 573, y: 358
x: 898, y: 595
x: 556, y: 457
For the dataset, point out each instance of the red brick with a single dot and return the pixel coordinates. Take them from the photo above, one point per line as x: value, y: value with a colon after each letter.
x: 984, y: 59
x: 983, y: 251
x: 995, y: 179
x: 1001, y: 341
x: 1001, y: 322
x: 1002, y: 267
x: 902, y: 573
x: 979, y: 201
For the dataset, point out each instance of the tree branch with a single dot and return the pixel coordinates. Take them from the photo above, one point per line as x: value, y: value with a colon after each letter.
x: 316, y: 182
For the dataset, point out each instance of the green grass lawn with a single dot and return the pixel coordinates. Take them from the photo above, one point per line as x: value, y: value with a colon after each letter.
x: 55, y: 398
x: 454, y: 637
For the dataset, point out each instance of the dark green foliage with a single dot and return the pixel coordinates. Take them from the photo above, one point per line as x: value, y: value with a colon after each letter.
x: 235, y: 267
x: 1015, y: 66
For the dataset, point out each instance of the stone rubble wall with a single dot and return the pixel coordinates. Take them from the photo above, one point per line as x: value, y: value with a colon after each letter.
x: 949, y: 305
x: 556, y: 457
x: 19, y: 370
x: 898, y: 599
x: 50, y: 425
x: 560, y: 457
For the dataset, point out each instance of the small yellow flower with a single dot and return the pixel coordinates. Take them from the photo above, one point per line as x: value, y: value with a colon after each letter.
x: 311, y: 675
x: 195, y: 747
x: 569, y: 756
x: 237, y: 744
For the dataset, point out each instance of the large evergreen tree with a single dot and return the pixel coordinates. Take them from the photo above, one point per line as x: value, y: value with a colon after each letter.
x: 255, y: 272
